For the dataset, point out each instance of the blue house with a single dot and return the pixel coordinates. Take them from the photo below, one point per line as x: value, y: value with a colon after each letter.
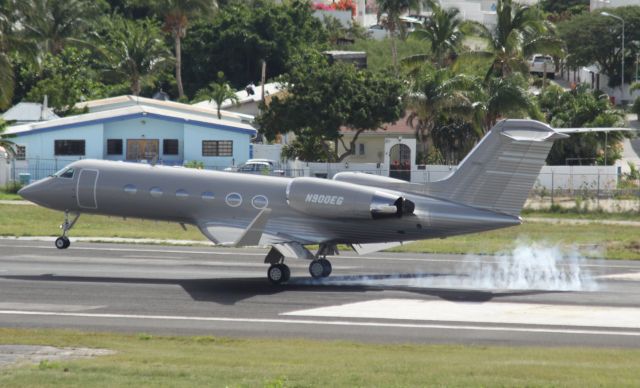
x: 136, y: 132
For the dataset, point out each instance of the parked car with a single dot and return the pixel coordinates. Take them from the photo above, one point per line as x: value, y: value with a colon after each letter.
x: 258, y: 166
x: 539, y: 64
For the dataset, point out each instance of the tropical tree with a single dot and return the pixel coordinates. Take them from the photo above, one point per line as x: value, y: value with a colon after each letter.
x: 507, y: 97
x: 321, y: 100
x: 177, y: 16
x: 437, y: 93
x: 393, y: 10
x: 520, y: 31
x: 582, y: 108
x: 442, y: 31
x: 218, y: 92
x: 592, y: 38
x: 135, y: 50
x: 51, y: 25
x: 66, y: 79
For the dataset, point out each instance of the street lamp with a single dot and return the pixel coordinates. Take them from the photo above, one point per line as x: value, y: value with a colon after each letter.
x: 621, y: 53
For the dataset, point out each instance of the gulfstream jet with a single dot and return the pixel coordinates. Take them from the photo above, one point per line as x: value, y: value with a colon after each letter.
x: 366, y: 212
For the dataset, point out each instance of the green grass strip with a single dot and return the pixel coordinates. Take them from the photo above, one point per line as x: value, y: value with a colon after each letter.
x: 145, y: 360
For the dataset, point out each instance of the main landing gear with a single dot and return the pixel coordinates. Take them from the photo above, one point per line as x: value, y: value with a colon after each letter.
x: 319, y: 267
x: 63, y: 242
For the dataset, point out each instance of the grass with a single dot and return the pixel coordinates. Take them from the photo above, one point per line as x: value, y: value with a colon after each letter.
x: 147, y: 360
x: 25, y: 220
x: 593, y: 240
x: 614, y: 241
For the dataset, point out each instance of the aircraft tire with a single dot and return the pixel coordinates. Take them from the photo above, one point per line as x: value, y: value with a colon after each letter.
x: 326, y: 267
x: 62, y: 242
x: 286, y: 271
x: 316, y: 269
x: 277, y: 273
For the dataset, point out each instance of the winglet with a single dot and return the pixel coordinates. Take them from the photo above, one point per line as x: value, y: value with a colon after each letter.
x: 251, y: 236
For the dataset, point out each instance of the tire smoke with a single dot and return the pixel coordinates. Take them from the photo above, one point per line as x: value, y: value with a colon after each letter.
x: 529, y: 266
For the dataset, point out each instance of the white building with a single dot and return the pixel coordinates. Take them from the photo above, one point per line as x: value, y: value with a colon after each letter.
x: 598, y: 4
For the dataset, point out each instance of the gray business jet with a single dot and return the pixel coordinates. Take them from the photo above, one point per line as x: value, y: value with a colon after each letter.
x: 364, y: 211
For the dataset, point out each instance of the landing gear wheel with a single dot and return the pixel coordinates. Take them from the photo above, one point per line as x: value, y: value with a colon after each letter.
x: 62, y: 242
x: 326, y: 264
x: 278, y: 273
x: 320, y: 268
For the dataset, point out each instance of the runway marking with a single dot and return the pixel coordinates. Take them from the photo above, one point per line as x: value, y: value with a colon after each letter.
x: 231, y: 252
x: 634, y: 276
x: 46, y: 307
x: 482, y: 312
x: 325, y: 323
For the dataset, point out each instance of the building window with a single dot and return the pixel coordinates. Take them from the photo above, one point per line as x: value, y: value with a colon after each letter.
x: 21, y: 152
x: 69, y: 147
x: 114, y: 146
x: 170, y: 147
x: 361, y: 149
x: 217, y: 148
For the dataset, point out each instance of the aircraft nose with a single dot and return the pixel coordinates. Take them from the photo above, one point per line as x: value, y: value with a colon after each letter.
x: 35, y: 192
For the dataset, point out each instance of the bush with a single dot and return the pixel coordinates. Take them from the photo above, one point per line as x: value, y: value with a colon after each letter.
x: 12, y: 187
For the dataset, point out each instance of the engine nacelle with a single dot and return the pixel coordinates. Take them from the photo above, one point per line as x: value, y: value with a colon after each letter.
x: 332, y: 199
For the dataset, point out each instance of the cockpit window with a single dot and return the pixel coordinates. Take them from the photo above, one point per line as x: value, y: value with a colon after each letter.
x: 66, y: 173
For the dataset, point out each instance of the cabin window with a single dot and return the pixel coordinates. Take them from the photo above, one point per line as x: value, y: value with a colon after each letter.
x: 114, y: 146
x: 21, y: 152
x: 208, y: 196
x: 156, y: 192
x: 130, y: 189
x: 182, y: 194
x: 233, y: 199
x: 259, y: 202
x: 217, y: 148
x: 69, y: 147
x: 170, y: 147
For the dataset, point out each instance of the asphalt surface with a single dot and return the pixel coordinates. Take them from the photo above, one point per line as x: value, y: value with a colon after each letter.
x: 380, y: 298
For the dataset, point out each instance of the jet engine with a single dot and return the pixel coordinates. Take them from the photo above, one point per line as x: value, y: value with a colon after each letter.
x: 333, y: 199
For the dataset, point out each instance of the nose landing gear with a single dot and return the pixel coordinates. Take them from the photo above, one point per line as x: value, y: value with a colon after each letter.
x: 63, y: 242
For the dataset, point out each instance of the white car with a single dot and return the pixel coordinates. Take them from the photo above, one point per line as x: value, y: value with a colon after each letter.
x: 539, y: 64
x: 258, y: 166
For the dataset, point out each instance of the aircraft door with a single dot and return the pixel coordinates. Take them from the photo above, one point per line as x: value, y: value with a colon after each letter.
x: 86, y: 191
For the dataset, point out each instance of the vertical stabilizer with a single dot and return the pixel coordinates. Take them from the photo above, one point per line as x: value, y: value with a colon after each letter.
x: 501, y: 170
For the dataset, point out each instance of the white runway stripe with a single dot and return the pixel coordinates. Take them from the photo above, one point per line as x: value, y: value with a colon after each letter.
x: 485, y: 312
x: 325, y: 323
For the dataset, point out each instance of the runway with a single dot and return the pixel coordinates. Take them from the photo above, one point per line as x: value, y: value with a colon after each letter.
x: 381, y: 298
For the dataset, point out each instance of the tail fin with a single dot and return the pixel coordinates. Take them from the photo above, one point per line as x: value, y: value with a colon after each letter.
x: 501, y: 170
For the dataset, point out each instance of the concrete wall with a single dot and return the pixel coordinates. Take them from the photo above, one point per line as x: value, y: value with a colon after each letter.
x: 40, y: 145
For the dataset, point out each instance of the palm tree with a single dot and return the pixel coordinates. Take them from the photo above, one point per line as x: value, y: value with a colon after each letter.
x: 437, y: 94
x: 394, y: 9
x: 506, y: 97
x: 176, y: 21
x: 135, y: 50
x: 218, y: 93
x: 521, y: 30
x: 53, y: 24
x: 443, y: 33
